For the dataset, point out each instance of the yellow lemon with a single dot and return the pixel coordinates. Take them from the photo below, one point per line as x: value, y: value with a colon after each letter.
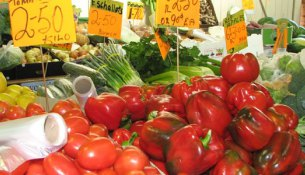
x: 15, y: 87
x: 26, y: 89
x: 3, y: 82
x: 24, y: 100
x: 13, y: 92
x: 7, y: 98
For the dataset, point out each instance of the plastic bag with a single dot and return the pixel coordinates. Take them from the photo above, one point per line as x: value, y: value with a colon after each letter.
x: 10, y: 56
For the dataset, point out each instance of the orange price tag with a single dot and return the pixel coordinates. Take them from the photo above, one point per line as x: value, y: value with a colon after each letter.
x: 163, y: 46
x: 42, y: 22
x: 235, y: 32
x: 105, y: 18
x: 178, y: 13
x: 248, y: 4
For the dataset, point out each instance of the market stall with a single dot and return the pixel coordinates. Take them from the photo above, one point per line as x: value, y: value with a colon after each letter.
x: 152, y: 87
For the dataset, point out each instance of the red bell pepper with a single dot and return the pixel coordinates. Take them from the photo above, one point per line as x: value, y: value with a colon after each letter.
x: 217, y: 85
x: 237, y: 68
x: 279, y: 120
x: 135, y: 100
x: 232, y: 164
x: 193, y: 150
x: 288, y: 113
x: 165, y: 102
x: 245, y: 155
x: 246, y: 94
x: 209, y: 111
x: 107, y: 109
x: 270, y: 101
x: 184, y: 89
x: 251, y: 128
x: 279, y: 156
x: 157, y: 131
x: 150, y: 90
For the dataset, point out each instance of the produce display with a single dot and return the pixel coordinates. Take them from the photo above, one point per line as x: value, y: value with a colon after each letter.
x: 243, y: 113
x: 198, y: 126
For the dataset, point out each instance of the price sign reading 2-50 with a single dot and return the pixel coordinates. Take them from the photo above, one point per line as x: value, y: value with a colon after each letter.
x: 105, y: 18
x: 41, y: 22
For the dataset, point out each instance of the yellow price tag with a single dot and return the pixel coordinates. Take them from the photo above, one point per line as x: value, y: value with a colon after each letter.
x: 235, y: 32
x: 248, y: 4
x: 135, y: 10
x: 42, y: 22
x: 178, y: 13
x: 105, y: 18
x: 163, y: 46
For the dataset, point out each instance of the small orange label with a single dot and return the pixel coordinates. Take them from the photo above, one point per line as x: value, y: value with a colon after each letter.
x: 178, y: 13
x: 105, y: 23
x: 41, y: 22
x: 235, y: 32
x: 163, y: 46
x: 248, y: 4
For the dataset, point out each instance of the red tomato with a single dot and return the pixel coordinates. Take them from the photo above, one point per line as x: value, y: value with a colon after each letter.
x: 36, y: 168
x: 120, y: 135
x: 97, y: 154
x: 137, y: 127
x: 107, y: 171
x: 3, y: 108
x: 73, y: 103
x: 62, y: 106
x: 21, y: 169
x: 75, y: 141
x: 160, y: 165
x: 2, y: 172
x: 15, y: 112
x: 135, y: 172
x: 131, y: 159
x: 34, y: 109
x: 84, y: 171
x: 136, y: 142
x: 58, y: 163
x: 239, y: 68
x: 74, y: 112
x: 77, y: 125
x: 98, y: 130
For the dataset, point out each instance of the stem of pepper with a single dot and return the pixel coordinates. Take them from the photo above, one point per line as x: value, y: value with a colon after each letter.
x: 206, y: 140
x: 129, y: 142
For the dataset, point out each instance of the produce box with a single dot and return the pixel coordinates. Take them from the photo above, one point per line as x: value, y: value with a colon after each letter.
x: 34, y: 70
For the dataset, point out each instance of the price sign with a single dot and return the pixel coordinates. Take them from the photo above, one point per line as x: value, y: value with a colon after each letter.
x: 179, y: 13
x: 235, y: 32
x: 248, y: 4
x: 163, y: 46
x: 41, y: 22
x: 2, y: 1
x: 105, y: 18
x: 135, y: 10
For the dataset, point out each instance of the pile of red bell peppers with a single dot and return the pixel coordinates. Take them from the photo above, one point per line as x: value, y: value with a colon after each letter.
x: 217, y: 125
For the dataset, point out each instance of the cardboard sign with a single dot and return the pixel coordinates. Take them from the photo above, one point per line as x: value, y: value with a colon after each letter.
x: 135, y: 10
x: 248, y: 4
x: 41, y: 22
x: 235, y: 32
x: 163, y: 46
x: 178, y: 13
x: 105, y: 18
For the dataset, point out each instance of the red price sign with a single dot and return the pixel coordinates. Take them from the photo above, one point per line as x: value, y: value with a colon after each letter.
x: 42, y: 22
x: 235, y: 32
x: 179, y: 13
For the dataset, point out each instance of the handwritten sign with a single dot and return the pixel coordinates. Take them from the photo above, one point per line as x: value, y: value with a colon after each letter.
x: 105, y: 18
x: 163, y: 46
x: 179, y: 13
x: 41, y: 22
x: 248, y: 4
x: 235, y: 32
x: 2, y: 1
x: 135, y: 10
